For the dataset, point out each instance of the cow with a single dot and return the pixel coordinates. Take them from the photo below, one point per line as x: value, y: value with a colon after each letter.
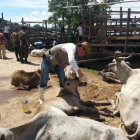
x: 128, y: 99
x: 51, y: 121
x: 25, y: 80
x: 109, y: 77
x: 38, y: 52
x: 69, y: 100
x: 54, y: 124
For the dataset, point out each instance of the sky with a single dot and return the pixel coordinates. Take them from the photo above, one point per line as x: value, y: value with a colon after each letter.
x: 135, y: 6
x: 30, y: 10
x: 37, y: 10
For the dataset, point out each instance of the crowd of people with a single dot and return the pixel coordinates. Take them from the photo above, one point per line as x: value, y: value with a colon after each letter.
x: 20, y: 41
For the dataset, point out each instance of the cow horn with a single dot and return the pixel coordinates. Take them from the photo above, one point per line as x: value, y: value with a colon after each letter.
x: 128, y: 57
x: 123, y: 58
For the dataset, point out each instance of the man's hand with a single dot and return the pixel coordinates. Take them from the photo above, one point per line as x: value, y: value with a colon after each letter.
x: 79, y: 73
x: 81, y: 76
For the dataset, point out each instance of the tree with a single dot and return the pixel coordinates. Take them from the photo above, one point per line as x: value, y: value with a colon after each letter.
x: 71, y: 17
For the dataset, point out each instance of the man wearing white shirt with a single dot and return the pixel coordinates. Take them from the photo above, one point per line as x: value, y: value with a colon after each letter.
x: 80, y: 32
x: 59, y: 57
x: 6, y: 31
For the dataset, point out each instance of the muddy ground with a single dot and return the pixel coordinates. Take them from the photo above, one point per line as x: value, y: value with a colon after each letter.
x: 11, y: 111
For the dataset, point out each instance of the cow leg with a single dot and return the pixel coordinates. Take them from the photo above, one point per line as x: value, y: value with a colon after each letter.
x: 113, y: 80
x: 96, y: 103
x: 115, y: 104
x: 23, y: 87
x: 94, y: 110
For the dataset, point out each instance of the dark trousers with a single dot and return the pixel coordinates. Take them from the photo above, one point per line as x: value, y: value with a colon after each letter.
x: 6, y: 36
x: 23, y: 53
x: 17, y: 50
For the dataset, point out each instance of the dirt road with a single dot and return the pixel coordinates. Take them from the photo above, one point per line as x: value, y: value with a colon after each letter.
x: 10, y: 99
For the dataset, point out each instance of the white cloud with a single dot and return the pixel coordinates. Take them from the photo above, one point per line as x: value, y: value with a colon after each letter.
x: 44, y: 13
x: 34, y: 13
x: 25, y: 3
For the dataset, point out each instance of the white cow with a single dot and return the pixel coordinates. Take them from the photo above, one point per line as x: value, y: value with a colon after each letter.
x: 54, y: 124
x: 38, y: 52
x: 69, y: 100
x: 128, y: 100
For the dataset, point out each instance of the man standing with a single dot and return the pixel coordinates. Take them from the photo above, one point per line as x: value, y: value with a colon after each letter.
x: 80, y: 32
x: 15, y: 40
x: 59, y: 57
x: 3, y: 41
x: 24, y: 44
x: 7, y: 31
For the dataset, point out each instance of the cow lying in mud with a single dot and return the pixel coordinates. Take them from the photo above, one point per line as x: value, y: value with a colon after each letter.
x: 25, y: 80
x: 52, y: 121
x: 69, y: 101
x: 128, y: 100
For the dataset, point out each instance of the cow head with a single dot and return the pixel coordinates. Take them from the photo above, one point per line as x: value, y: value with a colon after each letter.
x: 71, y: 85
x: 116, y: 62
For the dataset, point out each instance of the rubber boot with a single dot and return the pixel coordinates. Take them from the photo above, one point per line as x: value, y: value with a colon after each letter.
x: 41, y: 98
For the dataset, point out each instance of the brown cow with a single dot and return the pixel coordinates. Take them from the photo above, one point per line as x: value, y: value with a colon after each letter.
x: 25, y: 80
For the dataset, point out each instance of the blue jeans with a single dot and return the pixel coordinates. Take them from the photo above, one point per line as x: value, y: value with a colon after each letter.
x: 45, y: 69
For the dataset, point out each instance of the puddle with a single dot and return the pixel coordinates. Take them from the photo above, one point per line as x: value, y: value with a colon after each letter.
x: 4, y: 78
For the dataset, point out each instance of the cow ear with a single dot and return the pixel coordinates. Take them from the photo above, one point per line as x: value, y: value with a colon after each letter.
x: 2, y: 137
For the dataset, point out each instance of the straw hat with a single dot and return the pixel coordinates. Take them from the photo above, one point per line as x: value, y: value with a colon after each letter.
x: 86, y: 45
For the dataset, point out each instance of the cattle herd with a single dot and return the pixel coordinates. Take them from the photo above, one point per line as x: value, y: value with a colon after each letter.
x: 54, y: 120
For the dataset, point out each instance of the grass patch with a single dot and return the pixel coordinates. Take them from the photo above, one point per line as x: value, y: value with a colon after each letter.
x: 91, y: 71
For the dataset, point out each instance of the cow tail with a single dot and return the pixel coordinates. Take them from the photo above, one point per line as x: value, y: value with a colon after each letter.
x: 136, y: 134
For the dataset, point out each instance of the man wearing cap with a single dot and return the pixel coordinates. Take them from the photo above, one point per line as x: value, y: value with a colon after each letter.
x: 59, y: 57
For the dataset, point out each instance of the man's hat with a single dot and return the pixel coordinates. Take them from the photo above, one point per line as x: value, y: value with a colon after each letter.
x: 86, y: 45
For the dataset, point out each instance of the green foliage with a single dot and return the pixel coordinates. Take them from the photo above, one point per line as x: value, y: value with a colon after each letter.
x: 15, y: 24
x: 92, y: 71
x: 70, y: 17
x: 37, y: 26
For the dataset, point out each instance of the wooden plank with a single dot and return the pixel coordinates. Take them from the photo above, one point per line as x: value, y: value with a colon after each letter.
x: 116, y: 45
x: 93, y: 60
x: 124, y: 38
